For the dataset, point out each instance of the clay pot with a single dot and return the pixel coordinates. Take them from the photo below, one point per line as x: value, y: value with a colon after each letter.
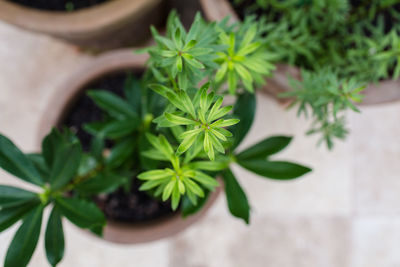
x: 58, y: 107
x: 104, y: 26
x: 382, y: 92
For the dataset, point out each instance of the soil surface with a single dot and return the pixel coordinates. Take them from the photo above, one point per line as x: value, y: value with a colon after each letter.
x: 59, y: 5
x: 133, y: 206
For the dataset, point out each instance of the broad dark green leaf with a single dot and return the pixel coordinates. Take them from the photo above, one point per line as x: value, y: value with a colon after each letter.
x: 104, y: 182
x: 40, y: 165
x: 50, y: 145
x: 12, y: 196
x: 15, y: 162
x: 114, y: 105
x: 265, y: 148
x: 121, y: 152
x: 244, y: 109
x: 132, y: 91
x: 82, y: 213
x: 280, y: 170
x: 188, y: 208
x: 65, y: 166
x: 54, y: 238
x: 97, y: 147
x: 121, y: 128
x: 97, y: 230
x: 9, y: 216
x: 236, y: 197
x: 25, y: 240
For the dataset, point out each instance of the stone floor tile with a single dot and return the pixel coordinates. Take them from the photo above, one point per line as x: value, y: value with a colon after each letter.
x: 376, y: 138
x: 376, y: 241
x: 283, y: 241
x: 326, y: 190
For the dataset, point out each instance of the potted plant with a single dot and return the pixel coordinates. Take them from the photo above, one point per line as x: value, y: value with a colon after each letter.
x: 99, y: 24
x: 339, y: 46
x: 166, y: 135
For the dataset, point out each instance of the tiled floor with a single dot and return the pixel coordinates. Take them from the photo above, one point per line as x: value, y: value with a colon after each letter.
x: 346, y: 213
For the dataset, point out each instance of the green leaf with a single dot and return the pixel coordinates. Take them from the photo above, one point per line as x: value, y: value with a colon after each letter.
x: 160, y: 89
x: 188, y: 208
x: 65, y: 166
x: 232, y: 82
x: 165, y: 147
x: 219, y: 76
x: 193, y: 187
x: 186, y: 144
x: 50, y: 145
x: 168, y: 189
x: 243, y: 72
x: 9, y: 216
x: 25, y: 240
x: 205, y: 180
x: 121, y: 152
x: 154, y: 175
x: 54, y: 238
x: 104, y: 182
x: 15, y: 162
x: 114, y: 105
x: 280, y: 170
x: 193, y: 62
x: 154, y: 154
x: 82, y: 213
x: 178, y: 120
x: 236, y: 197
x: 132, y: 91
x: 176, y: 197
x: 40, y: 165
x: 12, y: 196
x: 209, y: 165
x: 121, y: 128
x: 225, y: 123
x: 187, y: 102
x: 265, y: 148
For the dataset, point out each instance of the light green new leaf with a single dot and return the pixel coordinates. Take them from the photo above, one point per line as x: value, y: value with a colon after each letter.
x: 178, y: 120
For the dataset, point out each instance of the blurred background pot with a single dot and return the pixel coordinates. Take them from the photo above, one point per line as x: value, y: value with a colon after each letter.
x: 375, y: 93
x: 107, y: 25
x: 54, y: 115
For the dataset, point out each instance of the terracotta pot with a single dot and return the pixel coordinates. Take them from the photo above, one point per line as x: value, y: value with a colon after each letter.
x: 58, y: 107
x: 382, y: 92
x: 107, y: 25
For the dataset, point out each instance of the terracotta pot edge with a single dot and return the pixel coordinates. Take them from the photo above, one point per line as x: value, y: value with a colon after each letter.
x: 72, y: 85
x: 78, y: 22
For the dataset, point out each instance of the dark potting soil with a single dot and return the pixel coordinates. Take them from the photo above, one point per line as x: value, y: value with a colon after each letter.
x: 133, y: 206
x: 84, y: 110
x: 58, y: 5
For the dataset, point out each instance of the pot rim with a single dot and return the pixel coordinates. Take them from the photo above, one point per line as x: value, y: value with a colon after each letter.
x: 59, y: 104
x: 92, y: 19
